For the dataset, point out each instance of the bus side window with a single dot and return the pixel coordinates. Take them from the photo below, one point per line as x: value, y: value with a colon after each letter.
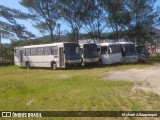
x: 118, y: 49
x: 17, y: 52
x: 47, y: 50
x: 23, y: 51
x: 54, y: 50
x: 33, y: 51
x: 27, y: 52
x: 40, y: 51
x: 103, y: 49
x: 123, y: 50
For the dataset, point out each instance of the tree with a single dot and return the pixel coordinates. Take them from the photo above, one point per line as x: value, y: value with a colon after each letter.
x: 94, y: 19
x: 46, y: 14
x: 115, y: 15
x: 143, y: 18
x: 73, y: 12
x: 9, y: 28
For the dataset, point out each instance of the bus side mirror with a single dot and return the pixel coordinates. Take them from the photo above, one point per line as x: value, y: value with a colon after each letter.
x: 110, y: 50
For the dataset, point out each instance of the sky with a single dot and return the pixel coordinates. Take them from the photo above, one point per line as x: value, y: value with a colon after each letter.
x: 28, y: 24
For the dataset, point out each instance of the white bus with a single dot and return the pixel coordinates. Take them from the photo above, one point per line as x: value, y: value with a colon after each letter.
x: 55, y: 55
x: 129, y: 52
x: 110, y: 53
x: 89, y: 53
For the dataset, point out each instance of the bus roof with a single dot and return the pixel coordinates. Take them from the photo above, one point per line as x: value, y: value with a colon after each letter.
x: 81, y: 44
x: 107, y: 44
x: 44, y: 45
x: 124, y: 43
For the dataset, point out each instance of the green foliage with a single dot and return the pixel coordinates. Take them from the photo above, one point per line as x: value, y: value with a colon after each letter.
x: 78, y: 89
x: 133, y: 20
x: 143, y: 18
x: 6, y: 52
x: 116, y: 11
x: 10, y: 28
x: 94, y: 19
x: 46, y: 14
x: 135, y: 17
x: 73, y: 12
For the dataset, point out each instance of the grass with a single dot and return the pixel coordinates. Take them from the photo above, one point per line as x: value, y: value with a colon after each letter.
x: 77, y: 89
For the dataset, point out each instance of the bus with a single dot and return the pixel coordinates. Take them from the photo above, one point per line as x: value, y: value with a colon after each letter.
x: 143, y: 54
x: 129, y: 52
x: 55, y: 55
x: 110, y: 53
x: 89, y: 53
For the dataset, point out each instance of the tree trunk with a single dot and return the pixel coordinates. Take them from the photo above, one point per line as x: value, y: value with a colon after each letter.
x: 51, y: 34
x: 52, y: 37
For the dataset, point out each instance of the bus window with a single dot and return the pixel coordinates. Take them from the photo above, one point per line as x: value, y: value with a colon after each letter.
x: 123, y: 51
x: 118, y: 48
x: 27, y: 52
x: 47, y: 50
x: 40, y: 51
x: 54, y: 50
x: 103, y: 49
x: 33, y: 51
x: 17, y: 52
x: 115, y: 49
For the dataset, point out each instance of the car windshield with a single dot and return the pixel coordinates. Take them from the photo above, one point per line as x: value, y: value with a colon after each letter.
x: 90, y: 51
x: 128, y: 50
x: 72, y: 53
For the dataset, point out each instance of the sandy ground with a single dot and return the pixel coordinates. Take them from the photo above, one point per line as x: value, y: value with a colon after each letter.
x: 147, y: 79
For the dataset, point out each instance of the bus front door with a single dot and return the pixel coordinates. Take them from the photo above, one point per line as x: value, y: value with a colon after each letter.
x: 61, y: 57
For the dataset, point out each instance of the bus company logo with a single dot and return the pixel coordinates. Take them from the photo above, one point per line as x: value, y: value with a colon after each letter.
x: 6, y: 114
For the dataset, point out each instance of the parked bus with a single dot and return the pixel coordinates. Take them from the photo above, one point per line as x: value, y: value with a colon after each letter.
x: 110, y: 53
x: 143, y: 54
x: 89, y: 53
x: 129, y: 52
x: 55, y: 55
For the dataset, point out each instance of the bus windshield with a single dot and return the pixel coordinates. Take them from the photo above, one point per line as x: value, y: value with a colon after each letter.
x: 72, y: 53
x: 128, y: 50
x: 115, y: 49
x: 142, y: 49
x: 90, y: 51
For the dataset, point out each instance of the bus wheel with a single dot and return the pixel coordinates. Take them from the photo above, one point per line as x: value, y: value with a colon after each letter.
x: 27, y: 65
x: 53, y: 66
x: 100, y: 62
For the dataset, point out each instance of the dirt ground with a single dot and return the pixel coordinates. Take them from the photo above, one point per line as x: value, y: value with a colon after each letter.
x: 147, y: 79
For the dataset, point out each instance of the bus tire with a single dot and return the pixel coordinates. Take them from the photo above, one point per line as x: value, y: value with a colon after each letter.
x: 27, y: 65
x: 99, y: 62
x: 53, y: 66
